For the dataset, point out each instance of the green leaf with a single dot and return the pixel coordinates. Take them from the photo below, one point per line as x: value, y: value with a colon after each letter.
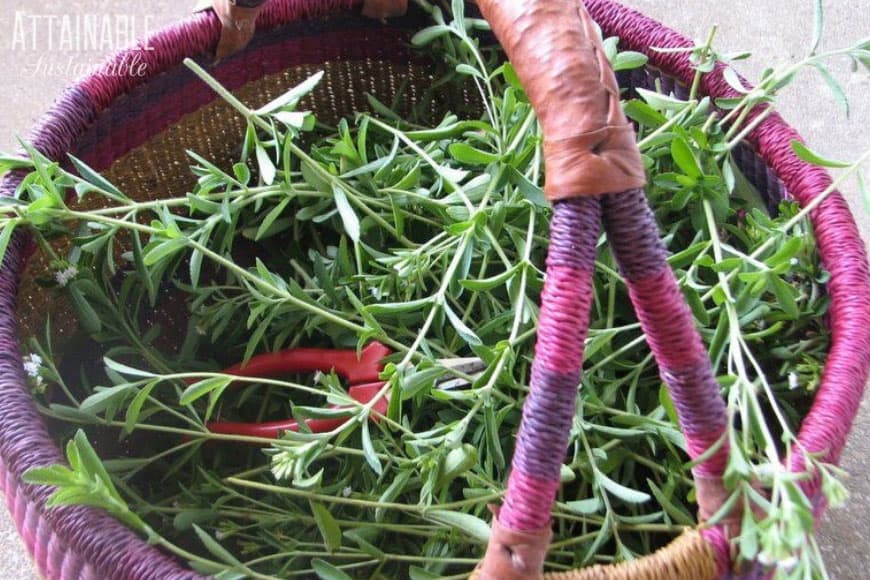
x: 618, y: 490
x: 204, y: 387
x: 135, y: 407
x: 214, y: 548
x: 585, y: 507
x: 532, y: 192
x: 6, y: 231
x: 95, y: 178
x: 398, y: 307
x: 162, y: 250
x: 91, y: 464
x: 471, y: 525
x: 326, y: 571
x: 661, y: 102
x: 805, y: 154
x: 466, y: 333
x: 369, y: 449
x: 834, y: 86
x: 391, y: 493
x: 684, y: 157
x: 468, y: 155
x: 427, y: 35
x: 266, y: 165
x: 785, y: 296
x: 270, y: 218
x: 348, y: 215
x: 103, y: 397
x: 57, y: 475
x: 329, y: 529
x: 88, y: 317
x: 419, y: 380
x: 292, y: 97
x: 628, y: 60
x: 126, y: 370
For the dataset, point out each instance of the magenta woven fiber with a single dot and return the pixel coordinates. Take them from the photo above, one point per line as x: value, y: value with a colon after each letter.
x: 548, y: 411
x: 73, y: 543
x: 668, y: 325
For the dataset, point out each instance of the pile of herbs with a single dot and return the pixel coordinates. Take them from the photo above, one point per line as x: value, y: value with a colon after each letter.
x: 429, y: 238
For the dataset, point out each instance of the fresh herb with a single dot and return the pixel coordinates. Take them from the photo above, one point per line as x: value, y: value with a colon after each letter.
x: 430, y: 239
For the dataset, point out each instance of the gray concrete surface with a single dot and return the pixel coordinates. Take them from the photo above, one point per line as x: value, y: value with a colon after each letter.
x: 776, y: 31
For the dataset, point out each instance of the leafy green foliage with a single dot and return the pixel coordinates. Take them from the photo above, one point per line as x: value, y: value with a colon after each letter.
x: 429, y: 237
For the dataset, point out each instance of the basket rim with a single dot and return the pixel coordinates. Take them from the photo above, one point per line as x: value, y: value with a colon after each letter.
x: 824, y: 429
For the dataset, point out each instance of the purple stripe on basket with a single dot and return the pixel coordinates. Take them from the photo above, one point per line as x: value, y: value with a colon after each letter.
x: 562, y: 327
x: 548, y: 413
x: 668, y: 325
x: 152, y: 107
x: 695, y: 393
x: 196, y: 35
x: 633, y: 233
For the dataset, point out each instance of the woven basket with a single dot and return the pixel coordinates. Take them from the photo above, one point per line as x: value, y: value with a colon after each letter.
x: 136, y: 130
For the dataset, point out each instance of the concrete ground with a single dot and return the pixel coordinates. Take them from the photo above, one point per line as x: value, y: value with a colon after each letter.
x: 37, y: 61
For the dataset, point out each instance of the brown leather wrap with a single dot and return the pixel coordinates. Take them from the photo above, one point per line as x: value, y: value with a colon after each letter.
x: 384, y: 8
x: 239, y: 24
x: 513, y: 555
x: 589, y: 146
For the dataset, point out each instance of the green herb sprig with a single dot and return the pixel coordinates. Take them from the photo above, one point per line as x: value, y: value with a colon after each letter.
x: 430, y: 239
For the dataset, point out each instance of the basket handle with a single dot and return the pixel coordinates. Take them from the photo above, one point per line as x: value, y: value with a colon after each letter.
x: 589, y: 146
x: 594, y: 174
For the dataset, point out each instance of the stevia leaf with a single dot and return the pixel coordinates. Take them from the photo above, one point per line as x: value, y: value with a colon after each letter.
x: 135, y: 407
x: 427, y: 35
x: 326, y: 571
x: 214, y: 548
x: 162, y: 251
x: 292, y: 97
x: 471, y: 525
x: 348, y: 215
x: 684, y: 157
x: 785, y: 296
x: 620, y: 491
x: 127, y: 370
x: 266, y: 165
x: 204, y: 387
x: 6, y: 232
x: 94, y: 178
x: 805, y: 154
x: 461, y: 328
x: 369, y: 449
x: 835, y: 87
x: 468, y: 155
x: 628, y: 60
x: 585, y: 507
x: 329, y: 528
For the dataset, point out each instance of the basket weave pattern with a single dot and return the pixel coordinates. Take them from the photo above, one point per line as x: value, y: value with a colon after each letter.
x: 104, y: 119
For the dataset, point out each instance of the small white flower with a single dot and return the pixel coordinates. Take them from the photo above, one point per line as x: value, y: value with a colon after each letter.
x: 63, y: 277
x: 32, y: 365
x: 220, y: 535
x: 200, y: 330
x: 794, y: 261
x: 788, y: 564
x: 347, y: 491
x: 793, y: 381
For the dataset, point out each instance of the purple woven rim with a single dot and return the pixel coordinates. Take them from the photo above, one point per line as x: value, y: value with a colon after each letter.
x: 83, y: 543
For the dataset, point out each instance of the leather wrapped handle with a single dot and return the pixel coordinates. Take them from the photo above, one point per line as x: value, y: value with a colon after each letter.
x: 589, y: 146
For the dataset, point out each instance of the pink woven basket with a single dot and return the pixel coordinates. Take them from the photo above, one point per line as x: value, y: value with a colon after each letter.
x: 108, y: 120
